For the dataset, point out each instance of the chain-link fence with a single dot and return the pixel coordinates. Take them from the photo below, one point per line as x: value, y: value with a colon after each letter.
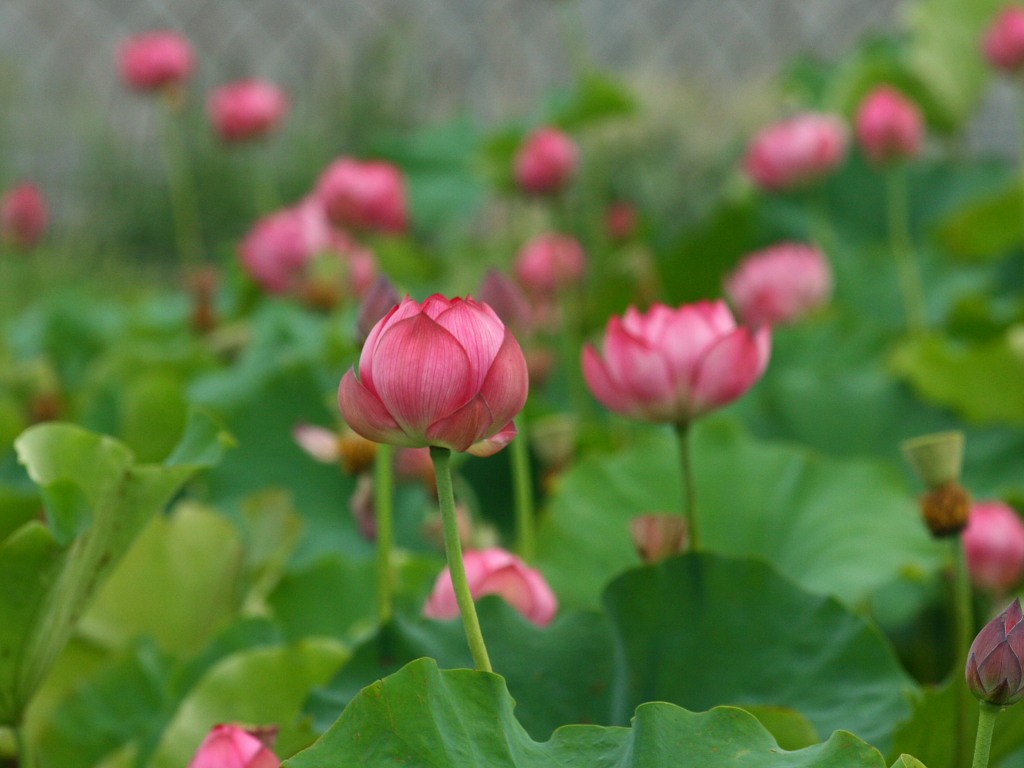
x: 429, y: 60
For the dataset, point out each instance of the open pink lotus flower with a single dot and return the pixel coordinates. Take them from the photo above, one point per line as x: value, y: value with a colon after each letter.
x: 153, y: 60
x: 229, y: 746
x: 780, y: 284
x: 796, y: 152
x: 247, y: 109
x: 889, y: 126
x: 364, y: 195
x: 1003, y: 43
x: 496, y: 572
x: 994, y: 546
x: 673, y: 365
x: 23, y: 216
x: 546, y: 162
x: 445, y: 373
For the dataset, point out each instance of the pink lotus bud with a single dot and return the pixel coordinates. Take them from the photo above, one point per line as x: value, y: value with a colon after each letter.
x: 994, y: 663
x: 377, y: 302
x: 228, y: 746
x: 889, y: 126
x: 324, y: 445
x: 549, y: 263
x: 796, y: 152
x: 673, y: 365
x: 780, y: 284
x: 507, y: 299
x: 546, y: 162
x: 1004, y: 41
x: 278, y: 249
x: 445, y: 373
x: 364, y: 195
x: 415, y: 465
x: 994, y: 545
x: 496, y: 572
x: 247, y: 109
x: 23, y: 216
x: 658, y: 537
x: 153, y: 60
x: 620, y: 221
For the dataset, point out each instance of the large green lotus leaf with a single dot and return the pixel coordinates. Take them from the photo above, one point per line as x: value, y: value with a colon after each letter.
x: 179, y: 583
x: 985, y: 228
x: 984, y: 382
x: 842, y: 528
x: 261, y: 686
x: 559, y: 674
x: 423, y: 716
x: 704, y: 630
x: 97, y: 501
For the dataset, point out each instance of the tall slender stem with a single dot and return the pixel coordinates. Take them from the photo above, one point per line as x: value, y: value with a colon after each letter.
x: 963, y: 613
x: 383, y: 502
x: 453, y: 550
x: 184, y: 207
x: 1020, y: 146
x: 903, y: 251
x: 983, y: 740
x: 25, y: 757
x: 522, y: 485
x: 689, y: 487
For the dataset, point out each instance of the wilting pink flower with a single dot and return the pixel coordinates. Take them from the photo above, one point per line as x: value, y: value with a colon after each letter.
x: 620, y: 220
x: 23, y: 216
x: 364, y: 195
x: 247, y: 109
x: 796, y: 151
x: 377, y: 302
x: 889, y: 125
x: 1003, y: 43
x: 153, y: 60
x: 445, y: 373
x: 228, y: 746
x: 549, y: 263
x: 994, y: 545
x: 659, y: 536
x: 994, y: 663
x: 280, y: 250
x: 673, y: 365
x: 780, y: 284
x: 496, y: 572
x: 546, y: 162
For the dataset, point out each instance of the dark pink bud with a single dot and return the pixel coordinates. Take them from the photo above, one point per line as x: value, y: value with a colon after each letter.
x: 364, y: 195
x: 380, y: 299
x: 153, y: 60
x: 1004, y: 41
x: 247, y: 109
x: 796, y: 152
x: 23, y: 216
x: 889, y: 126
x: 546, y: 162
x: 507, y: 299
x: 994, y: 671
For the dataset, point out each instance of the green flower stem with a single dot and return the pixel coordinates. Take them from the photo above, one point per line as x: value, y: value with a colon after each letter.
x: 963, y: 624
x: 689, y: 487
x: 903, y: 251
x: 184, y: 206
x: 1020, y: 148
x: 453, y: 549
x: 25, y: 757
x: 983, y: 741
x: 522, y: 485
x: 383, y: 503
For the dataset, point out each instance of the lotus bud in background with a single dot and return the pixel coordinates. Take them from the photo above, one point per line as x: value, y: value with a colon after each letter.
x: 620, y: 221
x: 994, y: 546
x: 674, y: 365
x: 796, y: 152
x: 23, y: 216
x: 280, y: 247
x: 246, y: 110
x: 1003, y: 43
x: 380, y: 299
x: 156, y: 60
x: 507, y: 299
x: 445, y: 373
x: 494, y: 571
x: 996, y: 658
x: 353, y: 452
x: 549, y: 263
x: 546, y: 162
x: 780, y: 285
x: 658, y: 537
x: 364, y: 195
x: 889, y: 126
x: 433, y: 528
x: 229, y: 746
x: 415, y: 465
